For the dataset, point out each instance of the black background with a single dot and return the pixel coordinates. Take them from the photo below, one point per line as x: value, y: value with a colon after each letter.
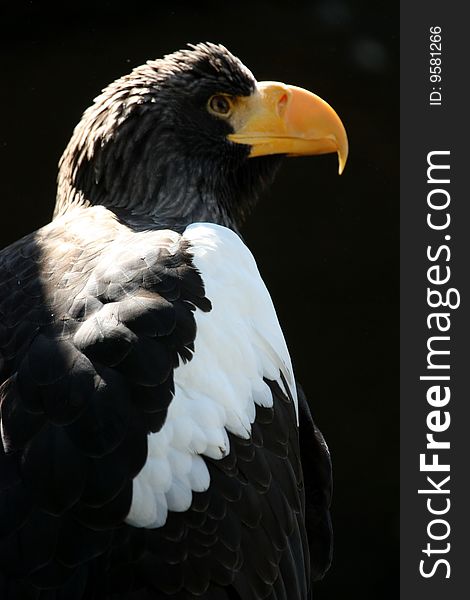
x: 327, y: 246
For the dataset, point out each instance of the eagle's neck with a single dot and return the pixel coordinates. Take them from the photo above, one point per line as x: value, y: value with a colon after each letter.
x: 172, y: 194
x: 173, y: 197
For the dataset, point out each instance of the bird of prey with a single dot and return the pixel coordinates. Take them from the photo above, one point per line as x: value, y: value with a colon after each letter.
x: 155, y: 443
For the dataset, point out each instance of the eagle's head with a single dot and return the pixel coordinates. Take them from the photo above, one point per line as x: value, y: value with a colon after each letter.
x: 191, y: 137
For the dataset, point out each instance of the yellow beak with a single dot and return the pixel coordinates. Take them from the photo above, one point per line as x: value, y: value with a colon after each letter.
x: 285, y: 119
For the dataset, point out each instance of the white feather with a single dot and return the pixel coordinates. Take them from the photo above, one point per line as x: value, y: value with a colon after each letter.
x: 237, y: 344
x: 199, y: 475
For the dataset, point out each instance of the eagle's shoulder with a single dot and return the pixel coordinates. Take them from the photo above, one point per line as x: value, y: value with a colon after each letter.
x: 87, y: 284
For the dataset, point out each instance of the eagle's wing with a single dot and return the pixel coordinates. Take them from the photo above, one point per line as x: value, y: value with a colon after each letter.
x: 128, y: 462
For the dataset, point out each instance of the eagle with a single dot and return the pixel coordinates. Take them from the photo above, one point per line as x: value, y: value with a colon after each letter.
x: 155, y: 442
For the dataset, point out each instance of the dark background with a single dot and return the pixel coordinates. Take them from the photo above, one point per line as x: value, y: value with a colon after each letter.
x: 327, y: 246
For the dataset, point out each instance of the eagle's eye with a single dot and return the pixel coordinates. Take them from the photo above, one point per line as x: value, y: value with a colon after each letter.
x: 220, y: 105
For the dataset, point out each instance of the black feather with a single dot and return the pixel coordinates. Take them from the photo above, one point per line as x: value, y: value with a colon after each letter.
x: 54, y: 470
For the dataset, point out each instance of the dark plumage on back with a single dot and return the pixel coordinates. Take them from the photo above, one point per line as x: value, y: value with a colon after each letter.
x: 102, y: 315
